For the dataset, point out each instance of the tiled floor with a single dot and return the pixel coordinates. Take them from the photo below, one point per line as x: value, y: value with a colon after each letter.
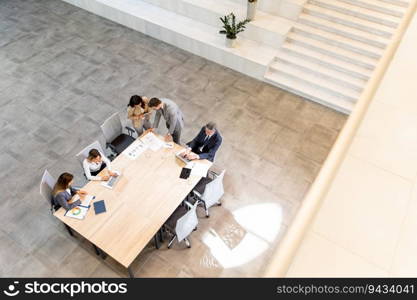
x: 63, y: 71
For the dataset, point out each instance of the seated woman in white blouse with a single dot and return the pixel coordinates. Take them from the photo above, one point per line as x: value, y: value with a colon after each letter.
x: 95, y: 163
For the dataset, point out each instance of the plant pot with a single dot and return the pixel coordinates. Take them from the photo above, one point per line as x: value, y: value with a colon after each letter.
x: 230, y: 43
x: 251, y: 12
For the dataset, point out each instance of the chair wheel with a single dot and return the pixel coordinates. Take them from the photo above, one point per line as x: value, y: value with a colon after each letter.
x: 207, y: 216
x: 220, y: 204
x: 169, y: 247
x: 189, y: 246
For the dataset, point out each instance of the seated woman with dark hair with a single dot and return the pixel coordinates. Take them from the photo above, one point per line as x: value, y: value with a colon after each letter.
x: 94, y: 164
x: 63, y: 193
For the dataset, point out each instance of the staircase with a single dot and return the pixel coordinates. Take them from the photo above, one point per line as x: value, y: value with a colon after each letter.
x: 333, y: 48
x: 326, y: 55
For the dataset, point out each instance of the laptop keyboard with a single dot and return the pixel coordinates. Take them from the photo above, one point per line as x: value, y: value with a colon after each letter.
x: 112, y: 181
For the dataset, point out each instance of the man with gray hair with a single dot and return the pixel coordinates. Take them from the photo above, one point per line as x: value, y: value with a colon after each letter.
x: 205, y: 144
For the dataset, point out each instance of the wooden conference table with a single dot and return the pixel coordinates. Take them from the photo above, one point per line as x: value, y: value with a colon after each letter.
x: 147, y: 193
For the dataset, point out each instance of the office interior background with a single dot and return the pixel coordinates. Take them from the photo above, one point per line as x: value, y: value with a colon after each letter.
x: 315, y: 104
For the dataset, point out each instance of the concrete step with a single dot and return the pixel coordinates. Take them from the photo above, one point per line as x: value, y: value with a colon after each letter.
x: 326, y: 61
x: 320, y: 70
x: 376, y: 5
x: 249, y: 57
x: 329, y: 50
x: 343, y: 30
x: 402, y: 3
x: 338, y: 41
x: 266, y: 28
x: 308, y: 91
x: 347, y: 20
x: 358, y: 12
x: 317, y: 81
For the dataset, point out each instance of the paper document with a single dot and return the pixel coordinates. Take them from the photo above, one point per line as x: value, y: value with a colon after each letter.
x: 198, y: 169
x: 87, y: 200
x: 152, y: 141
x: 78, y: 212
x: 135, y: 149
x: 168, y: 145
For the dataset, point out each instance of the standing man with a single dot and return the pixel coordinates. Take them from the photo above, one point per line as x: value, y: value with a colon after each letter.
x: 173, y: 117
x: 205, y: 144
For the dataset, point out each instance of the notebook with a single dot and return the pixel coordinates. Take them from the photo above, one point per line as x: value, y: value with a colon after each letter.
x: 99, y: 207
x: 87, y: 200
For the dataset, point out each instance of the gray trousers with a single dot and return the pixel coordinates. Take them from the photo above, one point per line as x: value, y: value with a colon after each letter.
x: 176, y: 135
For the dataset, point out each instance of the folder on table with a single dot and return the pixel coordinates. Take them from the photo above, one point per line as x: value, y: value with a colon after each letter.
x: 99, y: 207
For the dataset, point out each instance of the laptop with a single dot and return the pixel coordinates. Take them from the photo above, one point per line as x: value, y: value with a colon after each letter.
x: 111, y: 182
x: 179, y: 156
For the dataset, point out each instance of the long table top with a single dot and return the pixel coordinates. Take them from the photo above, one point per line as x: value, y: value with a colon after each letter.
x: 147, y: 193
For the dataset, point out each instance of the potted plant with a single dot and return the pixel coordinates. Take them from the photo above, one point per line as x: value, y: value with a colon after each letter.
x: 231, y: 29
x: 251, y: 12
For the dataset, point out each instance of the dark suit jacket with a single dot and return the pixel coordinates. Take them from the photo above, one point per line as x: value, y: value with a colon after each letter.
x: 210, y: 147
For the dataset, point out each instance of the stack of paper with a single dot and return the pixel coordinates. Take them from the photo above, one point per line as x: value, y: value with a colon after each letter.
x: 135, y: 149
x: 198, y: 168
x: 151, y: 141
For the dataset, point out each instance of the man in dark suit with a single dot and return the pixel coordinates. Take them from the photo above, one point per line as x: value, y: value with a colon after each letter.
x: 205, y: 144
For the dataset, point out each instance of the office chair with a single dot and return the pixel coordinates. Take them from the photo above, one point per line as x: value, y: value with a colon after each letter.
x: 116, y: 140
x: 46, y: 187
x: 181, y: 223
x: 209, y: 191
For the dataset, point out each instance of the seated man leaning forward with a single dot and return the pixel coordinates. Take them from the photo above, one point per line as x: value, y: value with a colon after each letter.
x: 205, y: 144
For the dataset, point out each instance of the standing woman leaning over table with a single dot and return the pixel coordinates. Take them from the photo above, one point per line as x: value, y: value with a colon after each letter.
x: 139, y: 113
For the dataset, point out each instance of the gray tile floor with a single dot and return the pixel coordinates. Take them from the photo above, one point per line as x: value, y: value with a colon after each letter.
x: 64, y: 70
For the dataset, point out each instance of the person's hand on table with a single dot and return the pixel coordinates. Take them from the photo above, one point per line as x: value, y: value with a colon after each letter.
x: 193, y: 156
x: 82, y: 193
x: 105, y: 177
x: 114, y: 174
x: 186, y: 151
x: 168, y: 138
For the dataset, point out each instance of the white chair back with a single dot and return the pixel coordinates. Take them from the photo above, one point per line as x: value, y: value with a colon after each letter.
x: 214, y: 191
x: 46, y: 186
x: 84, y: 153
x: 187, y: 223
x: 112, y: 127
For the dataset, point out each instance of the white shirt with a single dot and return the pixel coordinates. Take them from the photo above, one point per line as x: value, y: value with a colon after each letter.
x: 94, y: 167
x: 205, y: 140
